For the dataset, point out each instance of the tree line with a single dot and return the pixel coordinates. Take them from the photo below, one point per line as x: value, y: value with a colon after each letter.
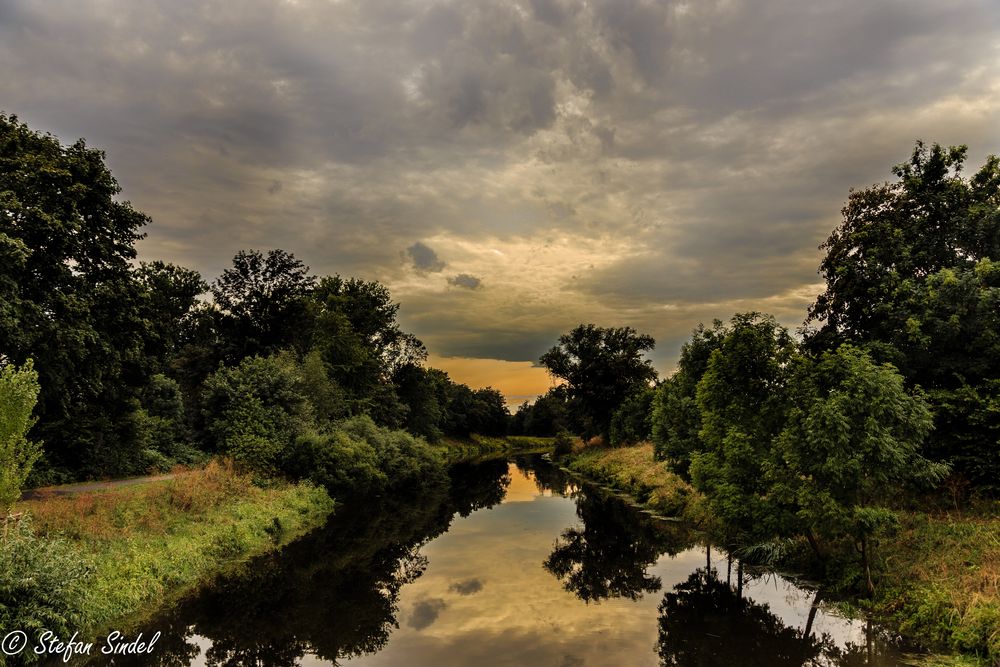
x: 891, y: 384
x: 139, y: 365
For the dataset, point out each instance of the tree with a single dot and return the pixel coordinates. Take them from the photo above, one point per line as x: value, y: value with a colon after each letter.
x: 742, y: 401
x: 263, y: 302
x: 547, y: 416
x: 18, y: 394
x: 631, y: 422
x: 424, y: 391
x: 353, y: 326
x: 911, y: 276
x: 69, y: 297
x: 851, y: 441
x: 170, y: 296
x: 676, y: 420
x: 930, y: 219
x: 601, y: 367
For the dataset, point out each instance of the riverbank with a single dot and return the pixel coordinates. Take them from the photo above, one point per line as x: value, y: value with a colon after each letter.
x: 454, y: 450
x: 88, y: 561
x: 938, y: 584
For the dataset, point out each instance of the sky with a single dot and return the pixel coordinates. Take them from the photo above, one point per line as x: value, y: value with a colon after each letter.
x: 510, y: 169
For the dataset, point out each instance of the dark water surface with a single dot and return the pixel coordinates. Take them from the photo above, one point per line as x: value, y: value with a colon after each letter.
x: 512, y: 565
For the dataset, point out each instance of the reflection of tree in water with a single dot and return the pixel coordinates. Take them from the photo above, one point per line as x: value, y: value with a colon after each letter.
x: 705, y: 622
x: 609, y: 555
x: 546, y: 476
x: 333, y: 593
x: 476, y: 486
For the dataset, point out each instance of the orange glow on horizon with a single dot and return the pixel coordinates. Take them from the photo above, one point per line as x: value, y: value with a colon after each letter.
x: 518, y: 381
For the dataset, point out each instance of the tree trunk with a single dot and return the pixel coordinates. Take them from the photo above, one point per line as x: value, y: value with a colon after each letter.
x: 739, y: 580
x: 866, y: 565
x: 814, y: 543
x: 812, y: 613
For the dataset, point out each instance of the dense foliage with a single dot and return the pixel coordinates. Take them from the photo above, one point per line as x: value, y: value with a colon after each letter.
x: 70, y: 298
x: 44, y: 584
x: 911, y: 276
x: 138, y: 369
x: 601, y: 367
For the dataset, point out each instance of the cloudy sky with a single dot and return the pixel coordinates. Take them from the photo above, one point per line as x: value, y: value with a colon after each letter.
x: 510, y: 169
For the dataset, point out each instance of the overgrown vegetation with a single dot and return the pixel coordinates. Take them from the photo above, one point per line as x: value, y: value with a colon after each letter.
x: 86, y: 560
x: 633, y: 469
x: 18, y: 393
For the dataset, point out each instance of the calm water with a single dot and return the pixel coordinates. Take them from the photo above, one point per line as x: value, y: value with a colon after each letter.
x: 512, y: 565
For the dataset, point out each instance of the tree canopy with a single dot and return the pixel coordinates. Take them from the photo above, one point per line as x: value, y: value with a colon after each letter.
x: 601, y: 367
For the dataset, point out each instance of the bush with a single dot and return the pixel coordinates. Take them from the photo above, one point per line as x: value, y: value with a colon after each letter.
x: 344, y: 466
x: 563, y: 443
x: 18, y: 393
x: 43, y: 584
x: 256, y: 410
x: 405, y: 460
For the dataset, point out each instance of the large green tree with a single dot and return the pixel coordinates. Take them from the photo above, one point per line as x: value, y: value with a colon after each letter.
x: 602, y: 367
x: 353, y: 325
x: 911, y: 276
x: 676, y: 420
x: 851, y: 441
x: 69, y: 298
x: 170, y: 299
x: 263, y: 302
x: 931, y: 218
x: 742, y: 401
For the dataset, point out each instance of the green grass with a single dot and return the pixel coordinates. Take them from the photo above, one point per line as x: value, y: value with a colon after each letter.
x: 634, y: 471
x: 940, y: 581
x: 153, y: 542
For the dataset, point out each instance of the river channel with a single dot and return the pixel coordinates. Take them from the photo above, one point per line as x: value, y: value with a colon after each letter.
x: 513, y: 564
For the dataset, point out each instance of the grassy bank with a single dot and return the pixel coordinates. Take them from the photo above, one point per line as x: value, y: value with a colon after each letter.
x: 632, y: 470
x: 120, y: 553
x: 453, y: 450
x: 939, y: 580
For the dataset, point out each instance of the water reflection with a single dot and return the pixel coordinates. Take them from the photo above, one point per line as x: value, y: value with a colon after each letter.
x: 608, y: 556
x: 503, y: 565
x: 705, y: 621
x: 334, y: 594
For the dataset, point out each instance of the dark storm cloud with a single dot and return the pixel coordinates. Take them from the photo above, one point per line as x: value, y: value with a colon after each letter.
x: 466, y: 586
x: 682, y: 154
x: 465, y: 280
x: 425, y: 612
x: 424, y: 258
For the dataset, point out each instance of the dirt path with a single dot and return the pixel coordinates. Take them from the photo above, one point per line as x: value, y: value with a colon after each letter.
x: 70, y: 489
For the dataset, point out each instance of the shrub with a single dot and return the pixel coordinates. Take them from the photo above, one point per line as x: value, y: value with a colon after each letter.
x: 343, y: 465
x: 405, y: 460
x: 256, y: 410
x: 18, y: 393
x: 563, y: 443
x: 43, y: 584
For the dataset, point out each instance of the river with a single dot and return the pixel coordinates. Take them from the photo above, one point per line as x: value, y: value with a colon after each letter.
x: 514, y: 564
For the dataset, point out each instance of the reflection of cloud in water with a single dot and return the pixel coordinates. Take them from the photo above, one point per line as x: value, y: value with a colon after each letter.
x: 426, y: 612
x: 467, y: 587
x: 522, y: 488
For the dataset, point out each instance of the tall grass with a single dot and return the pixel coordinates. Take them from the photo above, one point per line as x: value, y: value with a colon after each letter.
x: 147, y: 543
x: 634, y: 471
